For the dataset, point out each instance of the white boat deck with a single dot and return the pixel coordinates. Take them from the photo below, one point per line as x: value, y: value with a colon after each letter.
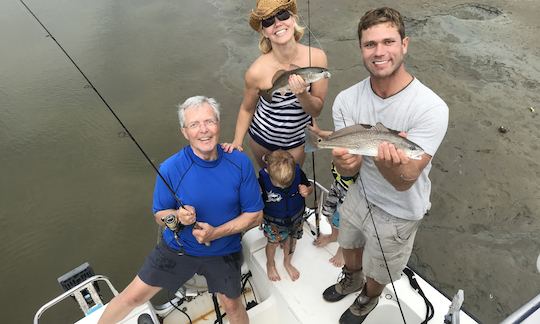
x: 301, y: 301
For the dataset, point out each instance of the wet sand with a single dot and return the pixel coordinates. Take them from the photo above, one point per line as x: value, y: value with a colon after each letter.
x: 483, y: 60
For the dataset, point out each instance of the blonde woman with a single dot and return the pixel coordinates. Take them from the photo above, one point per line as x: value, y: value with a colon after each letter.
x: 279, y: 123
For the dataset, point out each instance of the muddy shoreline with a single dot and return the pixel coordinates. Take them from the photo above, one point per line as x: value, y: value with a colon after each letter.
x: 482, y: 59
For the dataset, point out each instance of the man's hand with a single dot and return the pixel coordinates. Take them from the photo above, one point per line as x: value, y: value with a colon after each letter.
x: 390, y: 157
x: 346, y: 164
x: 186, y: 215
x: 397, y: 168
x: 203, y: 232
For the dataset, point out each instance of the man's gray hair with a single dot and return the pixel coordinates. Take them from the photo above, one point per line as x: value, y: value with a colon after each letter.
x: 196, y: 101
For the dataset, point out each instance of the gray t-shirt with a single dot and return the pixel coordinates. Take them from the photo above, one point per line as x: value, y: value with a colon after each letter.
x: 416, y: 110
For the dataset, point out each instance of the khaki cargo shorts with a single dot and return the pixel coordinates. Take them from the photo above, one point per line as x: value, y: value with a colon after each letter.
x: 356, y: 230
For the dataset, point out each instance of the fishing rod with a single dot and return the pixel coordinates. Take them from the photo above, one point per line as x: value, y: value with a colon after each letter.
x: 315, y: 201
x: 171, y: 223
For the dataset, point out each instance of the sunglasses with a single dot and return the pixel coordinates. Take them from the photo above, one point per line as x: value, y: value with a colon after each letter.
x: 281, y: 16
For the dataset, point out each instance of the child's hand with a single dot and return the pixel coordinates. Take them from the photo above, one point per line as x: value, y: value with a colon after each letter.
x: 322, y: 133
x: 305, y: 190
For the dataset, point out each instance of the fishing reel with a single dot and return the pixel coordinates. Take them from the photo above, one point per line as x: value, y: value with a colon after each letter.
x: 175, y: 226
x: 172, y: 223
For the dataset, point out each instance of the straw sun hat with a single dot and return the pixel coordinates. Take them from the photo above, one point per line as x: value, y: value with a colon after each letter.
x: 268, y: 8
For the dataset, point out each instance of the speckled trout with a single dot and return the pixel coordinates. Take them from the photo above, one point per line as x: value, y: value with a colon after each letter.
x: 280, y: 81
x: 362, y: 140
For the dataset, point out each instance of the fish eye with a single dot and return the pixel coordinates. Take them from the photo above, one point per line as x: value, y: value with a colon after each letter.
x: 319, y: 140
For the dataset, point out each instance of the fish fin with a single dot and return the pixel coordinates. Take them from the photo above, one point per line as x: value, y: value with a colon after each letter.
x: 380, y: 127
x: 283, y: 90
x: 312, y: 141
x: 348, y: 130
x: 277, y: 75
x: 266, y: 94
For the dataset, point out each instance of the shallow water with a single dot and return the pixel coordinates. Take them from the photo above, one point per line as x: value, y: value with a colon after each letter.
x: 74, y: 187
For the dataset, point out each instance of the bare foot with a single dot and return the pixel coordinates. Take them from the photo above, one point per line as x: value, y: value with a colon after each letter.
x: 272, y: 272
x: 292, y: 271
x: 323, y: 240
x: 337, y: 260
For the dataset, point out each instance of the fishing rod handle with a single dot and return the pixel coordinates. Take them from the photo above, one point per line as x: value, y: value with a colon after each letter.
x: 172, y: 222
x: 197, y: 226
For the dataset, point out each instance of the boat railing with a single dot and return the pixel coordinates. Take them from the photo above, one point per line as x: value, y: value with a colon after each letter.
x: 75, y: 292
x: 524, y: 312
x: 321, y: 192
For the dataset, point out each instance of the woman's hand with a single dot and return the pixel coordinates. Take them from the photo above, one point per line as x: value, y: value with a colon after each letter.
x: 297, y: 85
x: 229, y: 147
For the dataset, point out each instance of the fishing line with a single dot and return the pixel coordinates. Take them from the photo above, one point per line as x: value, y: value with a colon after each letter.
x: 178, y: 201
x: 380, y: 246
x: 106, y: 104
x: 368, y: 204
x: 309, y: 31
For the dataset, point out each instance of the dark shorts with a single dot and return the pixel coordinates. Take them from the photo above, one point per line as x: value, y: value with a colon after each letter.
x: 165, y: 268
x: 272, y: 147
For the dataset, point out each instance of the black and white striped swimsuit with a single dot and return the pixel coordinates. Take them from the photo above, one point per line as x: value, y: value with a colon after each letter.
x: 279, y: 124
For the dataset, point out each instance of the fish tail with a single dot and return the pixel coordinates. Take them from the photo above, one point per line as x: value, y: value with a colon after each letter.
x: 266, y: 94
x: 312, y: 141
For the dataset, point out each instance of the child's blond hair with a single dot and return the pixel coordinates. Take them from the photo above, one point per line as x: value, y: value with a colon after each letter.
x: 280, y: 166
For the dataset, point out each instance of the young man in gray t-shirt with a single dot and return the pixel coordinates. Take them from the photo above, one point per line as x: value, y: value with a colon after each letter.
x: 391, y: 187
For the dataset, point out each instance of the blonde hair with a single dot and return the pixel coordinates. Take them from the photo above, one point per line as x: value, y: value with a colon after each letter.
x: 265, y: 46
x: 280, y: 166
